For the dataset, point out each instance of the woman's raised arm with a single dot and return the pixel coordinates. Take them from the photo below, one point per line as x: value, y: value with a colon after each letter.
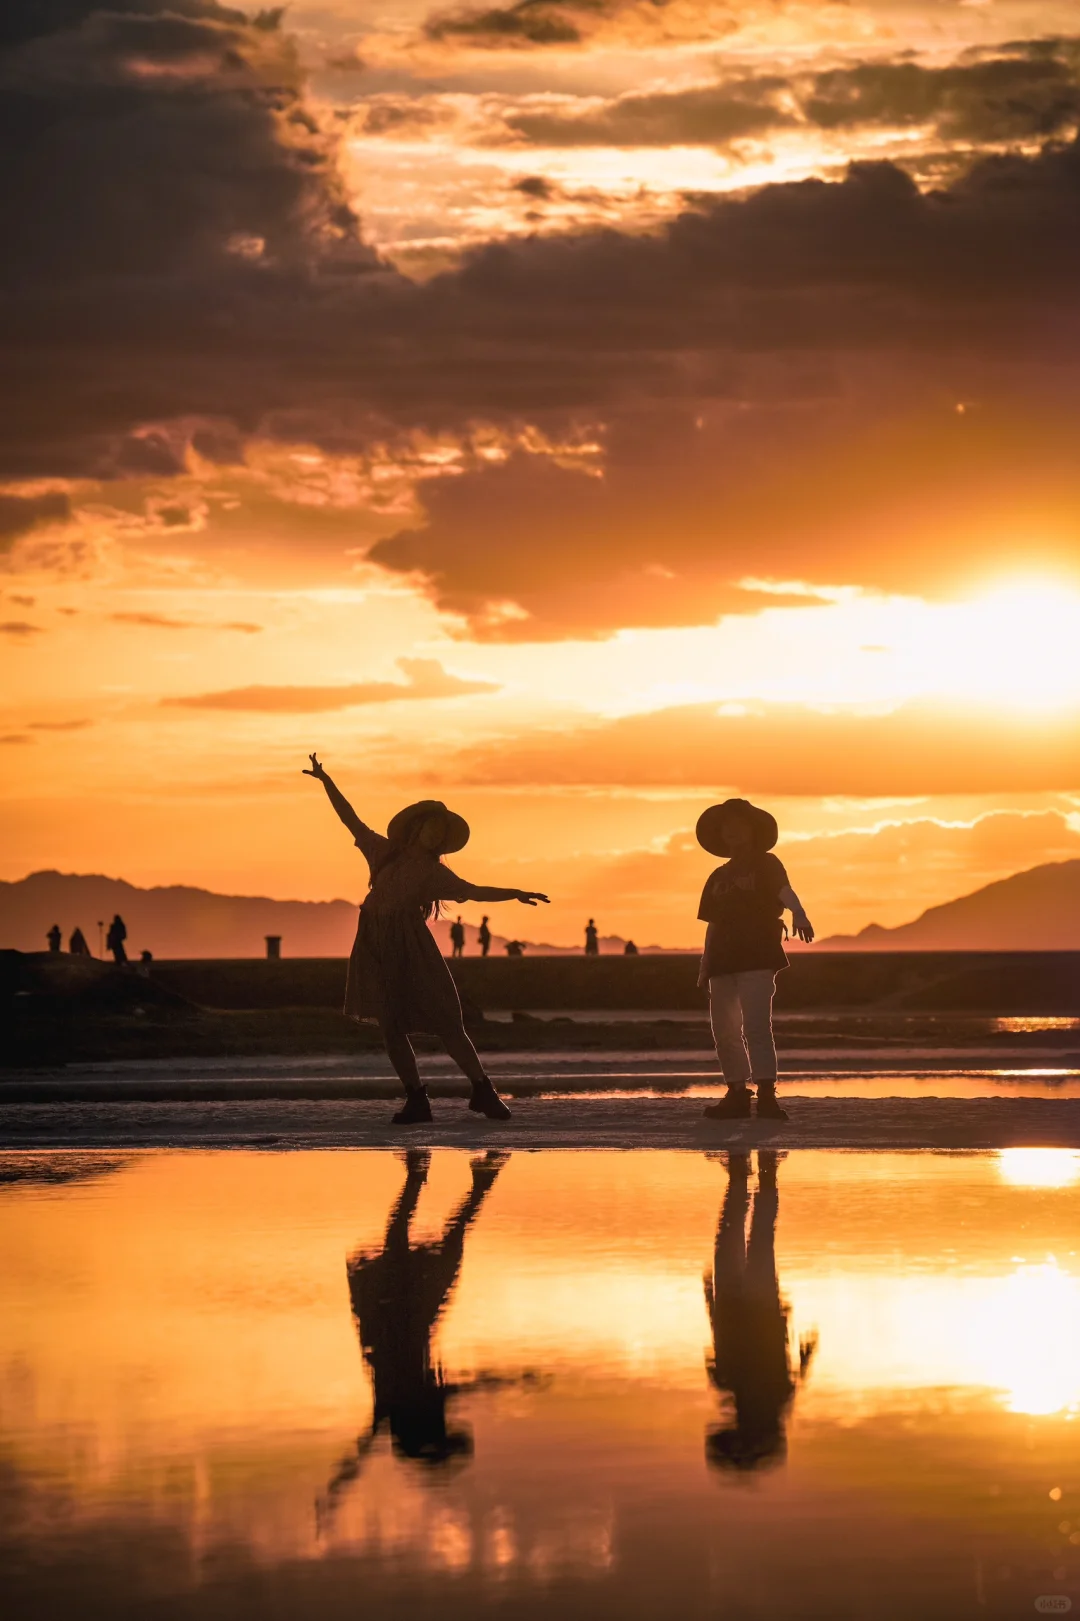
x: 333, y: 793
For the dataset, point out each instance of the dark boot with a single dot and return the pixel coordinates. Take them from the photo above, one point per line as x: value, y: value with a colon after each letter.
x: 734, y: 1105
x: 485, y: 1100
x: 768, y: 1104
x: 416, y: 1111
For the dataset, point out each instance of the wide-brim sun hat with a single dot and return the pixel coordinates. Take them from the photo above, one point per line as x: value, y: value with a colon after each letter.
x: 710, y: 826
x: 444, y: 830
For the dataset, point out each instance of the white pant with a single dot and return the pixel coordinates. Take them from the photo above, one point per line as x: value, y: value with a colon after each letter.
x: 740, y: 1008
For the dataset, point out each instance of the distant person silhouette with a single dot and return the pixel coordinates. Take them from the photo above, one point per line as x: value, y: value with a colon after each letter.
x: 743, y: 903
x: 398, y: 1295
x: 114, y: 940
x: 457, y: 937
x: 592, y: 940
x: 77, y: 944
x: 397, y: 974
x: 750, y: 1361
x: 515, y: 948
x: 630, y: 949
x: 55, y: 937
x: 483, y: 935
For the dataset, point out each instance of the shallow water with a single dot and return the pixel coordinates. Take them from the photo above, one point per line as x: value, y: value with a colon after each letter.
x: 546, y: 1419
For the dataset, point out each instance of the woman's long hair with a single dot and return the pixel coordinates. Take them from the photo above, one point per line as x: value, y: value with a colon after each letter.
x: 395, y: 849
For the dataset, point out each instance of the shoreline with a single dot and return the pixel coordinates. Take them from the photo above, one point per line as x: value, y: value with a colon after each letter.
x: 545, y: 1123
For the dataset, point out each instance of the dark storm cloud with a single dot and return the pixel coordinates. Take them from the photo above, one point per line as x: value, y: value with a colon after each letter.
x: 529, y: 23
x: 21, y: 513
x: 1028, y: 90
x: 708, y: 115
x: 776, y: 376
x: 163, y: 180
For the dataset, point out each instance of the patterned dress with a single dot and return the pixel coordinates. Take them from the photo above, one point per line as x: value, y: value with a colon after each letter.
x: 397, y: 974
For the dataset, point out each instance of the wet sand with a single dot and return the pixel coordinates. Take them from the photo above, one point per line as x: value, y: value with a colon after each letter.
x: 545, y: 1122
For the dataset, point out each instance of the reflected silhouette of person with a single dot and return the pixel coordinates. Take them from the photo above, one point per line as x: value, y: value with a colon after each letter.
x: 398, y: 1295
x: 55, y: 938
x: 751, y: 1361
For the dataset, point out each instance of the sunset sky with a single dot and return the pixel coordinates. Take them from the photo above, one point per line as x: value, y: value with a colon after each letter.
x: 579, y: 409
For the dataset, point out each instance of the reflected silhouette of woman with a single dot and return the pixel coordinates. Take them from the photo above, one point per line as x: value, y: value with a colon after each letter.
x: 750, y: 1361
x: 398, y: 1295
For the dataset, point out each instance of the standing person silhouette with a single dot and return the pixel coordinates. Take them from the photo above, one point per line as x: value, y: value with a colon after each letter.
x: 114, y: 940
x: 397, y: 974
x: 77, y: 944
x: 55, y: 938
x: 398, y: 1295
x: 743, y: 904
x: 483, y: 936
x: 749, y: 1321
x: 592, y: 942
x: 457, y: 937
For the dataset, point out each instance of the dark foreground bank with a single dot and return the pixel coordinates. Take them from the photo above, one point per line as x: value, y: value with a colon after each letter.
x: 61, y: 1010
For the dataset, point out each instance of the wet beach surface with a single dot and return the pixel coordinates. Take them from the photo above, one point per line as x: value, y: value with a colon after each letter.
x: 468, y: 1385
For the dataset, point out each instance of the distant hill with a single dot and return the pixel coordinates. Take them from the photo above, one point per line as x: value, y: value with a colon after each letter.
x: 1037, y: 910
x: 180, y: 921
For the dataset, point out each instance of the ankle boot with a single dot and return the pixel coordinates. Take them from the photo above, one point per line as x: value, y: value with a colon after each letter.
x: 768, y: 1105
x: 734, y: 1105
x: 416, y: 1110
x: 485, y: 1100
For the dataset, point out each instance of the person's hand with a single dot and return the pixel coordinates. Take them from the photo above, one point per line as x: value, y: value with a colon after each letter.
x: 802, y: 927
x: 529, y: 897
x: 315, y: 769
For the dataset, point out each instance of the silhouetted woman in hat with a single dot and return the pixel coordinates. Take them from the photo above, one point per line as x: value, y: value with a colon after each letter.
x: 743, y: 903
x: 397, y: 974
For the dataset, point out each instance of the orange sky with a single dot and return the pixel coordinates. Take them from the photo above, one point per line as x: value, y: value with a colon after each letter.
x: 530, y: 405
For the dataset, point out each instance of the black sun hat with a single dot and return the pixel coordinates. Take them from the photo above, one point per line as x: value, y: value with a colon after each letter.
x: 444, y: 831
x: 710, y: 826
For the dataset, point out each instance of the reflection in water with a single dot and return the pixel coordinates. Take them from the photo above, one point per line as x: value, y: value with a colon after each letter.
x: 178, y: 1367
x: 1039, y: 1167
x: 38, y: 1166
x: 750, y: 1360
x: 398, y: 1294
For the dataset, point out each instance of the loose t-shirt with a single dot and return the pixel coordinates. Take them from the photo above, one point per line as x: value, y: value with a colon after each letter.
x: 742, y: 898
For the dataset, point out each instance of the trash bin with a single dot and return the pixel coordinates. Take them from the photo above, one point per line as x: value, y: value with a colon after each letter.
x: 273, y: 947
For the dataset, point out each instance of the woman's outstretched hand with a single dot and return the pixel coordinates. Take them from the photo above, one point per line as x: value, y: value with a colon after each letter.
x: 802, y: 927
x: 529, y: 897
x: 315, y: 769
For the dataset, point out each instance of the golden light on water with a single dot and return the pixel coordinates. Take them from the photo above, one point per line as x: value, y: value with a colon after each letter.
x: 1039, y: 1167
x: 183, y: 1326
